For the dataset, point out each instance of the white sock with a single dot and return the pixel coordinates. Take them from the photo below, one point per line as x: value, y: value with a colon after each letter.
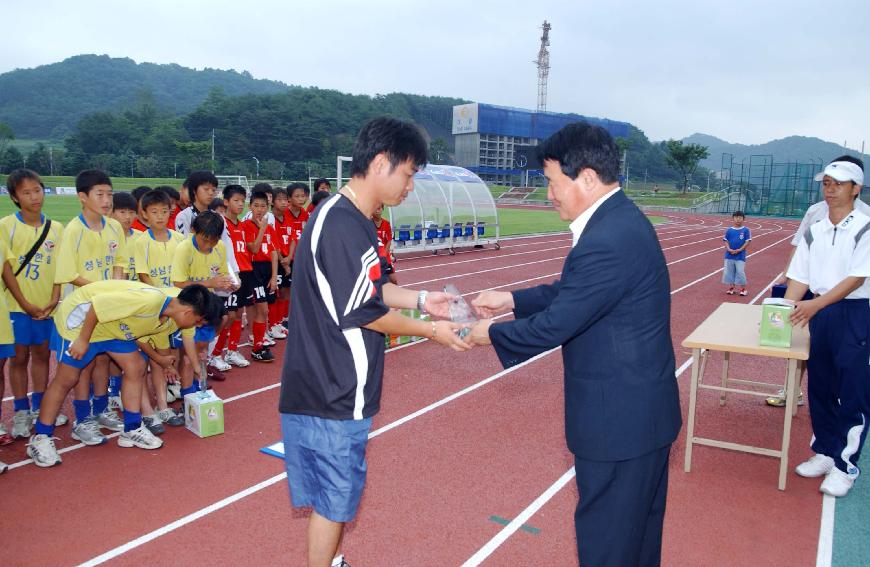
x: 338, y: 560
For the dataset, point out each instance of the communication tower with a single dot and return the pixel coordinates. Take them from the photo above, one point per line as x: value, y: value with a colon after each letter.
x: 543, y: 63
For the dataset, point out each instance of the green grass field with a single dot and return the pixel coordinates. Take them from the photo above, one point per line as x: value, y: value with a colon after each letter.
x: 512, y: 222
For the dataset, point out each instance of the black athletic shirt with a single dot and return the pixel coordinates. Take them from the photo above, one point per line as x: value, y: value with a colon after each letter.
x: 332, y: 366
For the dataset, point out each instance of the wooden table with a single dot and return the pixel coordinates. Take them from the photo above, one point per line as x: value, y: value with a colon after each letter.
x: 733, y: 328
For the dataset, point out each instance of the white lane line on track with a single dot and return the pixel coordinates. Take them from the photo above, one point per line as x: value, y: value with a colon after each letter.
x: 489, y: 547
x: 825, y: 554
x: 202, y: 512
x: 268, y: 482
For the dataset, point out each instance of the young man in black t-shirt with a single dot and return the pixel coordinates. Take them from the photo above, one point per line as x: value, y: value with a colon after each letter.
x: 341, y: 300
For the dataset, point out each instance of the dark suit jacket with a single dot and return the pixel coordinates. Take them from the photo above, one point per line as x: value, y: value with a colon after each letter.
x: 610, y: 312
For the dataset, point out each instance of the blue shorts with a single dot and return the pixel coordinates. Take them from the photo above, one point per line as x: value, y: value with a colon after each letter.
x: 7, y: 351
x: 204, y: 334
x: 29, y: 332
x: 326, y: 463
x: 59, y: 345
x: 175, y: 340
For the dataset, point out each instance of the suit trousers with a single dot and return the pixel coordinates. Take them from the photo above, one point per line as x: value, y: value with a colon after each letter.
x: 621, y: 510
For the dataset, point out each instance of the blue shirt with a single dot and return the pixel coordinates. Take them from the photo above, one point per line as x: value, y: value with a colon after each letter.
x: 736, y: 237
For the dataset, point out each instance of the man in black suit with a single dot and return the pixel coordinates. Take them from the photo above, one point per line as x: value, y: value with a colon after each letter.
x: 610, y: 313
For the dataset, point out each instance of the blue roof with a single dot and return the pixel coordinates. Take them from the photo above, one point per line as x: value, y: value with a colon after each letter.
x: 509, y: 121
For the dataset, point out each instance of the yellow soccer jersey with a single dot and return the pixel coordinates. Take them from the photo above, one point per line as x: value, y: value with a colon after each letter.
x: 6, y: 335
x: 190, y: 264
x: 130, y: 246
x: 89, y: 253
x: 155, y: 258
x: 125, y: 310
x: 36, y: 280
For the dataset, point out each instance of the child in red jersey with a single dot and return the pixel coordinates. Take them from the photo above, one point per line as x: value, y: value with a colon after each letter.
x: 261, y: 241
x: 385, y: 241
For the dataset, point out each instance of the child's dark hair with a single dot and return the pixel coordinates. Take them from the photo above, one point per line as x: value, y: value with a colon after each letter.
x: 738, y: 214
x: 208, y: 224
x: 216, y: 204
x: 139, y: 192
x: 295, y: 186
x: 86, y: 180
x: 169, y: 190
x: 322, y: 181
x: 16, y: 178
x: 265, y: 187
x: 198, y: 178
x: 205, y: 304
x: 122, y: 200
x: 257, y: 194
x: 319, y: 196
x: 279, y: 191
x: 231, y: 190
x: 400, y: 141
x: 154, y: 197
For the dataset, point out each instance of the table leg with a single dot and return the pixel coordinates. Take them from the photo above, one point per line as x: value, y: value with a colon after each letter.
x: 801, y: 370
x: 725, y: 363
x: 790, y: 405
x: 693, y: 396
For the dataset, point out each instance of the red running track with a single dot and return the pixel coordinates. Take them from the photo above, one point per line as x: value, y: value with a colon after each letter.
x: 435, y: 481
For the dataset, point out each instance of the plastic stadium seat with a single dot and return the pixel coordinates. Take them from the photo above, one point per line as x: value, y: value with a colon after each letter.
x: 445, y: 232
x: 432, y: 231
x: 457, y: 229
x: 418, y: 233
x: 404, y: 234
x: 469, y: 228
x: 481, y: 227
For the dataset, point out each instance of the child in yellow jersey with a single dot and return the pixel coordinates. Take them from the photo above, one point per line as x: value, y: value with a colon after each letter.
x: 124, y: 208
x: 93, y: 249
x: 31, y: 295
x: 154, y: 252
x: 7, y: 350
x: 202, y: 259
x: 108, y: 317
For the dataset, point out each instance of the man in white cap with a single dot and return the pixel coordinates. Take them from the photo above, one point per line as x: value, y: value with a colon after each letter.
x: 814, y: 214
x: 832, y: 261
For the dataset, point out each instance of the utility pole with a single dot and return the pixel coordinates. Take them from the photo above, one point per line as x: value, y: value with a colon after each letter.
x: 258, y: 165
x: 175, y: 169
x: 212, y: 150
x: 51, y: 159
x: 543, y: 63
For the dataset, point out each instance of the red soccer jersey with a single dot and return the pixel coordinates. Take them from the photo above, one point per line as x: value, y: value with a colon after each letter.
x: 385, y: 236
x: 269, y: 242
x: 237, y: 235
x: 298, y: 223
x: 138, y: 226
x: 283, y: 230
x: 171, y: 223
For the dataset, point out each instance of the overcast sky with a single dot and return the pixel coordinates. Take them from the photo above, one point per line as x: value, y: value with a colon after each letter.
x: 744, y: 71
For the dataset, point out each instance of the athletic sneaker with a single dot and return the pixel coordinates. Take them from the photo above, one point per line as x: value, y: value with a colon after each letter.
x: 219, y: 363
x: 731, y: 291
x: 743, y: 293
x: 21, y: 424
x: 215, y: 374
x: 173, y: 392
x: 816, y: 466
x: 115, y: 403
x: 110, y: 420
x: 278, y: 332
x: 262, y: 355
x: 267, y: 341
x: 60, y: 420
x: 153, y: 424
x: 169, y: 417
x: 88, y: 432
x: 41, y: 449
x: 5, y: 438
x: 340, y: 562
x: 235, y: 358
x: 3, y: 467
x: 837, y: 483
x: 141, y: 438
x: 778, y: 400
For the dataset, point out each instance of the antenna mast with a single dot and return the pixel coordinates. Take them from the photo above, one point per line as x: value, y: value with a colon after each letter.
x: 543, y: 63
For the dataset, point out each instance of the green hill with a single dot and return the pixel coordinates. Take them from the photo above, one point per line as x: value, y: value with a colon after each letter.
x: 47, y: 101
x: 801, y: 149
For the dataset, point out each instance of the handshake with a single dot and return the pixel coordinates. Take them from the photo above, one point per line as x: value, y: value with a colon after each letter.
x: 463, y: 330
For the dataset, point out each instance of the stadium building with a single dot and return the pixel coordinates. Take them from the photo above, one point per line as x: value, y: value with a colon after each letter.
x: 493, y: 141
